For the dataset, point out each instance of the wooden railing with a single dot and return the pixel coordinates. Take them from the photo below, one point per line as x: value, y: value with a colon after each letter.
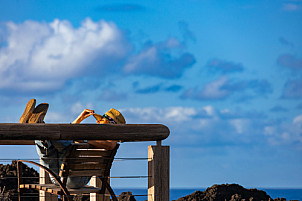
x: 158, y: 156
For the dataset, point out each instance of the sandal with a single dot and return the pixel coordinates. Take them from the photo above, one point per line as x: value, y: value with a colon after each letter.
x: 38, y: 114
x: 29, y: 108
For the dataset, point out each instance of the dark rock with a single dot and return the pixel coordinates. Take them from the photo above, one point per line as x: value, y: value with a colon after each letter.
x: 9, y: 182
x: 229, y: 192
x: 126, y: 196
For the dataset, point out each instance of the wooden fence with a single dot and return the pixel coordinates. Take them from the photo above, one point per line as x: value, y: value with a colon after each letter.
x: 158, y: 156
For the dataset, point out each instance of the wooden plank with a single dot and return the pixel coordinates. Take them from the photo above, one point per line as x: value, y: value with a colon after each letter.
x: 92, y: 152
x: 44, y: 179
x: 159, y: 173
x: 86, y: 173
x: 28, y: 131
x: 85, y: 166
x: 17, y: 142
x: 96, y: 182
x: 127, y: 132
x: 88, y: 159
x: 86, y: 189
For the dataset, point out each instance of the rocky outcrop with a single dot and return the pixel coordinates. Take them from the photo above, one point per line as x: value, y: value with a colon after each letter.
x: 9, y: 182
x: 229, y: 192
x: 126, y: 196
x: 223, y: 192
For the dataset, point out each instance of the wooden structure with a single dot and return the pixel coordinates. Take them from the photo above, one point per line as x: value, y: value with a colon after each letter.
x: 158, y: 156
x: 81, y: 159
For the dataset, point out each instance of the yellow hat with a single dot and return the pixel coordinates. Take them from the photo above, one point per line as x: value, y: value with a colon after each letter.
x: 116, y: 116
x: 112, y: 115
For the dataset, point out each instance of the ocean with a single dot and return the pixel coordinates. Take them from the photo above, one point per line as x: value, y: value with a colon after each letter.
x: 289, y: 194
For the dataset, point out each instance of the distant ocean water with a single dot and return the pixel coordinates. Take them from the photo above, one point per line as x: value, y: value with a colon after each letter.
x: 289, y: 194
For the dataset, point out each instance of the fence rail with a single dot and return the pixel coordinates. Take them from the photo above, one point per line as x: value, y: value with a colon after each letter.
x: 125, y: 133
x: 158, y: 156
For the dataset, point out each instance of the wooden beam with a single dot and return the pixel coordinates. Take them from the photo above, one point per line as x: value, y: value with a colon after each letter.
x: 158, y: 173
x: 126, y: 133
x: 17, y: 142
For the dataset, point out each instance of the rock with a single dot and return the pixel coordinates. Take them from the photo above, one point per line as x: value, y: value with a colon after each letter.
x: 228, y: 192
x: 126, y: 196
x: 9, y: 182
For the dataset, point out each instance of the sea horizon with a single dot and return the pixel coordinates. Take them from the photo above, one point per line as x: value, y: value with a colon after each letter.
x: 176, y: 193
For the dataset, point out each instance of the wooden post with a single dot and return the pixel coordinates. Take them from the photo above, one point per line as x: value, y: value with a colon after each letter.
x: 20, y: 180
x: 96, y: 182
x: 158, y: 172
x: 44, y: 179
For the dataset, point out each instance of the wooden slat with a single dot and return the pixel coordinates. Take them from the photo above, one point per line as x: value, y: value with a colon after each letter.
x: 86, y: 173
x: 17, y: 142
x: 85, y: 166
x: 85, y: 189
x: 92, y: 152
x: 51, y: 188
x: 88, y: 159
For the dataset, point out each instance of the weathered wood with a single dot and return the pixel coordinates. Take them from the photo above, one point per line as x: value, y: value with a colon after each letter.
x: 95, y: 152
x: 44, y: 179
x: 86, y: 159
x: 96, y: 182
x: 87, y: 166
x: 17, y: 142
x: 126, y: 133
x: 158, y: 173
x: 20, y: 180
x: 158, y: 164
x: 86, y: 173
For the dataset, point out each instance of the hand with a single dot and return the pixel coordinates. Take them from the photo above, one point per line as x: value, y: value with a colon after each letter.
x: 86, y: 113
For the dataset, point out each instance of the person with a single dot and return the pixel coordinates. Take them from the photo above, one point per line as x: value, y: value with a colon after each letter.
x: 52, y: 152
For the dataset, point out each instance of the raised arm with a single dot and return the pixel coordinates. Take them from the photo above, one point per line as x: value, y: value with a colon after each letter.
x: 86, y: 113
x: 103, y: 144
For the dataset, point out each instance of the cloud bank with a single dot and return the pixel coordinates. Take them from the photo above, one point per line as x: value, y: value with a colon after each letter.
x: 209, y: 126
x: 44, y: 56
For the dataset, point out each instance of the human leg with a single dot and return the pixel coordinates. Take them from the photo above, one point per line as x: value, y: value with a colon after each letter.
x: 51, y: 153
x: 72, y: 182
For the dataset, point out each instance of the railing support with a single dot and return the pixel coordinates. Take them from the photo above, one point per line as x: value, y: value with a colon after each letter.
x: 44, y: 179
x: 96, y: 182
x: 158, y: 172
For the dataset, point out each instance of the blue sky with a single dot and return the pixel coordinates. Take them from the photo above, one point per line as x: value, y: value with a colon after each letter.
x: 224, y: 76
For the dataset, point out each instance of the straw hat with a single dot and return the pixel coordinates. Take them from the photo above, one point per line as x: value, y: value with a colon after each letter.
x: 116, y: 116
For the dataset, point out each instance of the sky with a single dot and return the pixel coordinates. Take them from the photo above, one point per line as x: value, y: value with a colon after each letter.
x: 224, y: 76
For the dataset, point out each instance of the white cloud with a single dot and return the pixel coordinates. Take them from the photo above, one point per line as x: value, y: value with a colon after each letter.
x: 211, y: 126
x: 45, y: 55
x: 170, y: 115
